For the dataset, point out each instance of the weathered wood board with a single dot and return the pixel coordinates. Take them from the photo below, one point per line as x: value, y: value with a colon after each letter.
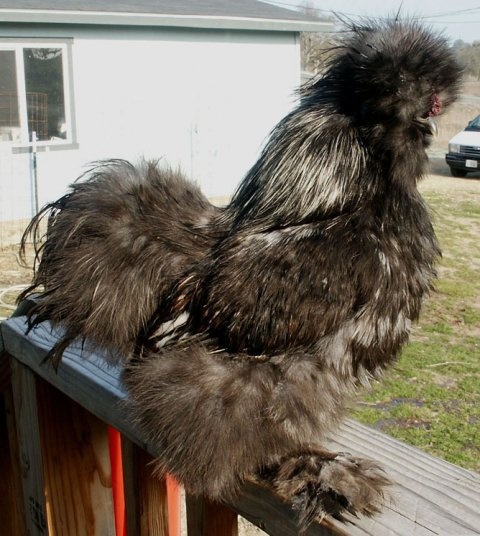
x: 76, y: 466
x: 431, y: 497
x: 12, y: 512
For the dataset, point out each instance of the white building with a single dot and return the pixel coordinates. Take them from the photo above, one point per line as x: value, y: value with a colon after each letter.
x: 199, y: 84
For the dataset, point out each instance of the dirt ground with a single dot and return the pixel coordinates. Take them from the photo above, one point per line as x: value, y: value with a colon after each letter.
x: 12, y: 272
x: 440, y: 180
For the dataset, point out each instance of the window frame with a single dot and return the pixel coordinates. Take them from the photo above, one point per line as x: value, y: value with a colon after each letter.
x: 25, y: 144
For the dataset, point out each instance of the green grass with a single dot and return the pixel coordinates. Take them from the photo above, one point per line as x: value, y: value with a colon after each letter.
x: 431, y: 399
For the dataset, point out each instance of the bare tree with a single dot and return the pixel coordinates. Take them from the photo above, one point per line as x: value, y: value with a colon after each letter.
x: 469, y: 56
x: 316, y: 47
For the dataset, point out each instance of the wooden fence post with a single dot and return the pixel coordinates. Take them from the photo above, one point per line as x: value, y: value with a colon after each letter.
x: 29, y: 449
x: 145, y: 495
x: 12, y: 514
x: 206, y: 518
x: 76, y: 466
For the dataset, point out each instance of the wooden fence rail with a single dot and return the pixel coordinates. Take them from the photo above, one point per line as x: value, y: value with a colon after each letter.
x: 55, y: 466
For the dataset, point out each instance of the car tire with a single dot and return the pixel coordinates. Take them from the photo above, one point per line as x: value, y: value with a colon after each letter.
x: 458, y: 172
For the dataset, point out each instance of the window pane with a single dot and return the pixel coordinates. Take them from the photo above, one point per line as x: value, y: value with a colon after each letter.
x: 45, y: 92
x: 9, y: 114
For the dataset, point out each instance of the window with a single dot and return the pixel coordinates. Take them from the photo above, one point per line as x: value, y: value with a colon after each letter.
x: 34, y: 94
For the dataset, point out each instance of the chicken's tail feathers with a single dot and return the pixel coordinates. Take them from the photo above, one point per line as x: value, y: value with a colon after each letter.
x: 35, y: 234
x: 109, y: 252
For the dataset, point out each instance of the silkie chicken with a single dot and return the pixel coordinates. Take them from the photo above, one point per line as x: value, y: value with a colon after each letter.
x: 244, y: 331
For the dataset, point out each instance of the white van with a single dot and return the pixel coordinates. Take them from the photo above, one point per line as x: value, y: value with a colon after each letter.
x: 464, y: 150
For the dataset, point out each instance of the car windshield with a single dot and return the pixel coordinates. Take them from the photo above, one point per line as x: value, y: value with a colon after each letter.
x: 474, y: 124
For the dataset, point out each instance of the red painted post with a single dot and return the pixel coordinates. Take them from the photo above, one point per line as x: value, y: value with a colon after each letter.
x: 115, y: 447
x: 173, y: 502
x: 173, y: 490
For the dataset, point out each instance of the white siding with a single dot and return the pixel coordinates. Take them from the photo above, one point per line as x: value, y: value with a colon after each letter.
x: 203, y: 100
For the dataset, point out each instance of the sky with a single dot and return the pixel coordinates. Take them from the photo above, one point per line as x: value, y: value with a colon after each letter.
x: 458, y: 19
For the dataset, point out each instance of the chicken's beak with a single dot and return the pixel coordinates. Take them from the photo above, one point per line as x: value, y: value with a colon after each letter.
x: 432, y: 125
x: 428, y: 124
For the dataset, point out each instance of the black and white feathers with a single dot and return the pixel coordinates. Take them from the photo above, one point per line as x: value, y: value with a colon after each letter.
x: 245, y: 330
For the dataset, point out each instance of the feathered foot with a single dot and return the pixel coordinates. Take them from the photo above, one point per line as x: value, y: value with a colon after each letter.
x: 319, y: 482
